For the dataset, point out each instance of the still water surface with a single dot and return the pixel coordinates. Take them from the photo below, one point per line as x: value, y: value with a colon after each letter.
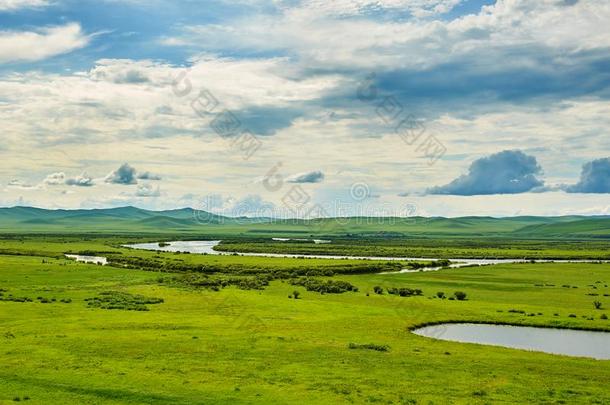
x: 555, y: 341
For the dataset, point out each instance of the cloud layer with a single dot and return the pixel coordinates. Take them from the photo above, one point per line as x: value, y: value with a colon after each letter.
x: 76, y: 84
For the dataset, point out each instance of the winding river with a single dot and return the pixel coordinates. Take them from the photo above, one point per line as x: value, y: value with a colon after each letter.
x: 207, y: 247
x: 567, y: 342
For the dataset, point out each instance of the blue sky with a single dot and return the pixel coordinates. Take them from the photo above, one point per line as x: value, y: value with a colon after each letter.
x: 386, y: 107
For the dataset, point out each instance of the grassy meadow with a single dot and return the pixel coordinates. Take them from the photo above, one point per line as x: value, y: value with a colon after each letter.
x: 122, y: 335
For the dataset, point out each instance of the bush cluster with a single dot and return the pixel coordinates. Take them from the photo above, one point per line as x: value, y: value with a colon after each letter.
x: 41, y: 300
x: 324, y: 287
x: 218, y: 283
x: 405, y: 292
x: 122, y: 300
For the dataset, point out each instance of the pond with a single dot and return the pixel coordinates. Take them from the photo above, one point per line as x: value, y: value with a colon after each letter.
x: 89, y: 259
x: 198, y: 247
x: 567, y: 342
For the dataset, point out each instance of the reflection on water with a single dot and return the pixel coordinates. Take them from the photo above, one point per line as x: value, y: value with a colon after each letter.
x: 200, y: 246
x: 555, y: 341
x: 89, y: 259
x: 207, y: 247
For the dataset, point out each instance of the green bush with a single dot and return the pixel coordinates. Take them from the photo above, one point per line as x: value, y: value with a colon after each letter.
x: 324, y: 287
x: 405, y: 292
x: 460, y: 295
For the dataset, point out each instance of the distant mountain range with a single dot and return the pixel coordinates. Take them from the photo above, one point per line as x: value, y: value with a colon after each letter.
x: 188, y: 220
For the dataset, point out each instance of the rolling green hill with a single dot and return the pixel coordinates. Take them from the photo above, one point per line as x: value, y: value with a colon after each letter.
x: 187, y: 220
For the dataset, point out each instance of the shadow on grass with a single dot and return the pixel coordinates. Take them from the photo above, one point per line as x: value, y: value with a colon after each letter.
x: 125, y: 396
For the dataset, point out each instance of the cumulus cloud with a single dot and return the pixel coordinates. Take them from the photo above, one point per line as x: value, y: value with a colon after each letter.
x: 506, y: 172
x: 80, y: 181
x: 309, y: 177
x: 594, y: 178
x: 124, y: 71
x: 55, y: 179
x: 147, y: 190
x: 149, y: 176
x: 125, y: 175
x: 58, y: 179
x: 23, y: 46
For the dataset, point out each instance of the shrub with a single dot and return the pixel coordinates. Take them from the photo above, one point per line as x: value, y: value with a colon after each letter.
x: 597, y: 304
x: 460, y: 295
x: 378, y: 290
x: 405, y: 292
x: 370, y: 346
x: 296, y: 294
x: 441, y: 295
x: 603, y: 316
x: 324, y: 287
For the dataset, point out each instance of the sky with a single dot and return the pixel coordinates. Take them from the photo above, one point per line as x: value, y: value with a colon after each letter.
x: 306, y: 108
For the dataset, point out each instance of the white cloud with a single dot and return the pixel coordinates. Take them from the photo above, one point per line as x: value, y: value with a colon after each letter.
x: 80, y: 181
x: 12, y: 5
x: 319, y: 39
x: 124, y: 110
x: 23, y: 46
x: 147, y: 190
x: 55, y: 179
x: 418, y: 8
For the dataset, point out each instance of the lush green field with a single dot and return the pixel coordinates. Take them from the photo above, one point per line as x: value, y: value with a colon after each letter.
x: 436, y: 248
x: 259, y: 346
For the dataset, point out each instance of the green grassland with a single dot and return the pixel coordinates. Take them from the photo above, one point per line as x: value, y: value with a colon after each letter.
x: 169, y: 342
x: 488, y: 248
